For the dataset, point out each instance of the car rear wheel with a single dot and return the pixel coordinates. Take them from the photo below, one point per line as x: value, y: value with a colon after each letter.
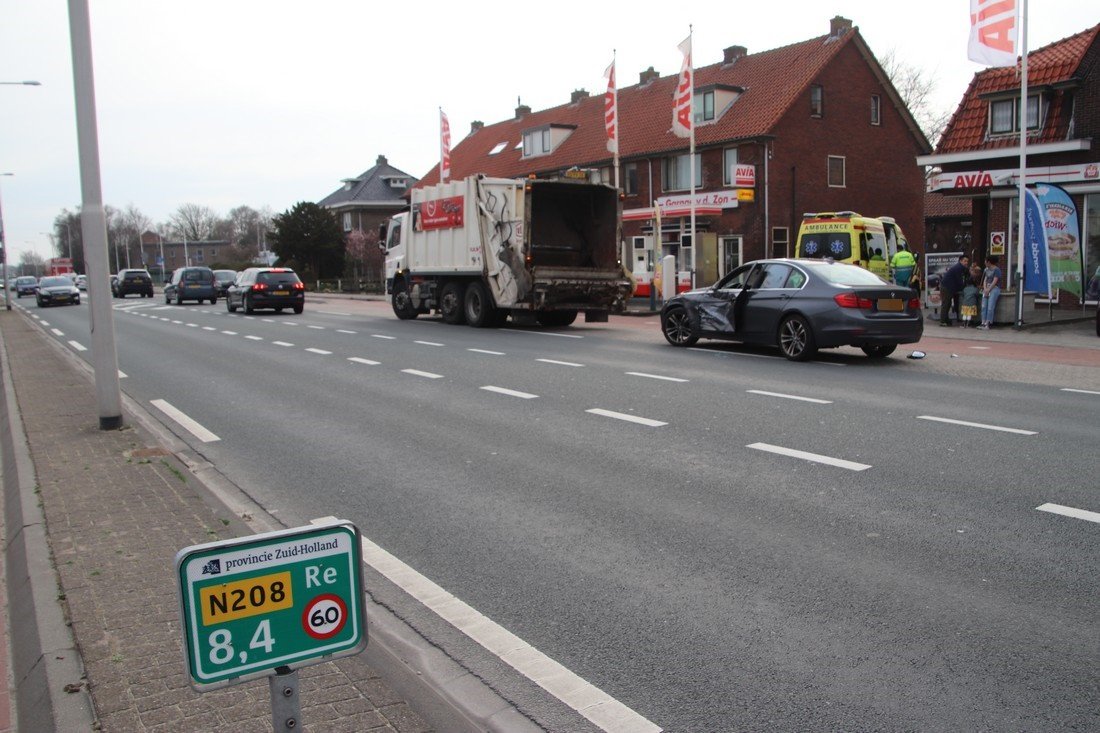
x: 299, y: 308
x: 478, y: 306
x: 677, y: 328
x: 451, y: 303
x: 796, y: 339
x: 248, y: 307
x: 879, y: 351
x: 229, y: 305
x: 401, y: 301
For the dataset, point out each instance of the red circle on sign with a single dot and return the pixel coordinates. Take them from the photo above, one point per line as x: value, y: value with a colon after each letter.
x: 319, y: 609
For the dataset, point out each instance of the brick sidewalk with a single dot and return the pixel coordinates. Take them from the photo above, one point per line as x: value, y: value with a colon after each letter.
x: 118, y: 507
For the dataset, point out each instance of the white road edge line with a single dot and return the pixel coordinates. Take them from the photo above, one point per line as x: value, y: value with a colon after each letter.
x: 1068, y: 511
x: 656, y: 376
x: 418, y: 373
x: 78, y: 346
x: 628, y: 418
x: 185, y: 422
x: 789, y: 396
x: 560, y: 363
x: 594, y: 704
x: 965, y: 423
x: 361, y: 360
x: 814, y: 457
x: 509, y: 392
x: 1079, y: 391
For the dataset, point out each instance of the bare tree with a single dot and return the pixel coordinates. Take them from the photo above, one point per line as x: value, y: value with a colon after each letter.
x: 32, y: 263
x: 915, y: 86
x: 194, y: 222
x: 132, y: 224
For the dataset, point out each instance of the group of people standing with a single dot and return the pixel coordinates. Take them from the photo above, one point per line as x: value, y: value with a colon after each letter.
x: 970, y: 291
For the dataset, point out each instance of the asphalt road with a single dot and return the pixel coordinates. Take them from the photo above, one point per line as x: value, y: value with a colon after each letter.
x: 687, y: 564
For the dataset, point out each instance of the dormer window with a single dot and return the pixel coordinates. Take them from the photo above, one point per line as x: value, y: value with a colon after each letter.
x: 1004, y: 115
x: 712, y: 101
x: 545, y: 140
x: 398, y: 183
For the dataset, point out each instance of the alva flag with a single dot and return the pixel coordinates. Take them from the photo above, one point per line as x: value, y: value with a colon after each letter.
x: 994, y: 32
x: 682, y: 100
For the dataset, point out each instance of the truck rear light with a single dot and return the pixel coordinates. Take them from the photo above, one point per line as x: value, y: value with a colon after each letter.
x: 851, y: 300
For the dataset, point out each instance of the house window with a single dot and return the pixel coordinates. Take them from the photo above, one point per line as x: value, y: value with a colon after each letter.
x: 347, y: 221
x: 198, y: 255
x: 817, y: 101
x: 397, y: 183
x: 703, y: 106
x: 1004, y: 115
x: 677, y: 173
x: 836, y: 171
x: 876, y: 109
x: 536, y: 142
x: 630, y: 179
x: 781, y: 240
x: 729, y: 160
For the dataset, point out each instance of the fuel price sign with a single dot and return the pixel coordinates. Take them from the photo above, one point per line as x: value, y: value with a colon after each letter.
x: 283, y: 600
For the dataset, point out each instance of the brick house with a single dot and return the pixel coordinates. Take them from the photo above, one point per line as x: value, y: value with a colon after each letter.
x: 978, y: 157
x: 819, y: 122
x: 206, y: 253
x: 367, y: 200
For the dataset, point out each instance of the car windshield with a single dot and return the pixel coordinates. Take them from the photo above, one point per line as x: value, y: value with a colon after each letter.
x: 135, y: 274
x: 225, y: 275
x: 55, y: 282
x: 25, y: 280
x: 839, y: 273
x: 277, y: 278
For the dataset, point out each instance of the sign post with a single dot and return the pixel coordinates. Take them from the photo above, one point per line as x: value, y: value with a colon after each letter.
x: 270, y: 604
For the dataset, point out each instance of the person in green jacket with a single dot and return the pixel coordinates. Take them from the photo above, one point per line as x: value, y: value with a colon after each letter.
x: 903, y: 263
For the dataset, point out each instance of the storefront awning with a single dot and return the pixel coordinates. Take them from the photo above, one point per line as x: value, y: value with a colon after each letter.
x: 670, y: 212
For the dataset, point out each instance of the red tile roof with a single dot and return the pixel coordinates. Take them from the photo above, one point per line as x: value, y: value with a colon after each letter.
x: 1052, y: 64
x: 771, y: 80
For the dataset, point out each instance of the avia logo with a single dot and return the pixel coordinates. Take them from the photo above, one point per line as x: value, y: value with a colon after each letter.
x: 214, y: 567
x: 981, y: 179
x: 1092, y: 171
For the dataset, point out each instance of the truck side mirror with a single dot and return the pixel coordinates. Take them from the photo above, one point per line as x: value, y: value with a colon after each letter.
x: 382, y: 235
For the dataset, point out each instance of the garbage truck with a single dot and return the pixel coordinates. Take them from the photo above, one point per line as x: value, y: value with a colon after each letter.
x: 480, y: 250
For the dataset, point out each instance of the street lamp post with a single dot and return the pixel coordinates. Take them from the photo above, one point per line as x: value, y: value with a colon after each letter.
x: 4, y: 248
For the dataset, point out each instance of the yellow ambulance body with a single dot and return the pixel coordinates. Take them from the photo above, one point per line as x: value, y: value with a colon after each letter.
x: 846, y: 236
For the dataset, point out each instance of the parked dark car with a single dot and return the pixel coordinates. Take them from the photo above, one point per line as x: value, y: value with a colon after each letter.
x: 132, y: 281
x: 266, y: 287
x: 57, y: 291
x: 799, y: 305
x: 224, y: 278
x: 25, y: 285
x: 191, y: 283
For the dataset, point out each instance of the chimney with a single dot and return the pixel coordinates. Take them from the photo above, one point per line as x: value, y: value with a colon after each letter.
x: 733, y: 53
x: 381, y: 160
x: 522, y: 110
x: 475, y: 126
x: 838, y: 26
x: 647, y: 76
x: 578, y: 95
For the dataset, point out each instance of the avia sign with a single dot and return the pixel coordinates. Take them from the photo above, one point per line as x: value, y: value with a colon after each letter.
x: 1009, y: 176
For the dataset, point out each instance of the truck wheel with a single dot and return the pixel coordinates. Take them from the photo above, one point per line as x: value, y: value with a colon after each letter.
x: 479, y: 309
x: 452, y: 303
x: 557, y: 319
x: 402, y: 302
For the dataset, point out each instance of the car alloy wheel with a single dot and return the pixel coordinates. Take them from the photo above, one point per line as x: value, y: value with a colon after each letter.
x: 796, y: 340
x: 677, y: 328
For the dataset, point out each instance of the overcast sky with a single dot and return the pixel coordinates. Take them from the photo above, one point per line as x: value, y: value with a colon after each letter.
x: 266, y: 103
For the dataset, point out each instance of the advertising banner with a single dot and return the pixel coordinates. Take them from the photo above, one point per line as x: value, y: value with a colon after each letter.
x: 445, y: 213
x: 1063, y: 238
x: 1036, y: 266
x: 935, y: 265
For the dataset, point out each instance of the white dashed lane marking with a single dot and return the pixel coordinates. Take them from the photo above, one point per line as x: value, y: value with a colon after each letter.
x: 486, y: 351
x: 361, y: 360
x: 627, y: 418
x: 983, y: 426
x: 318, y: 351
x: 184, y: 421
x: 656, y: 376
x: 1080, y: 391
x: 509, y: 392
x: 789, y: 396
x: 78, y: 346
x: 418, y: 373
x: 560, y: 363
x: 812, y: 457
x: 1068, y: 511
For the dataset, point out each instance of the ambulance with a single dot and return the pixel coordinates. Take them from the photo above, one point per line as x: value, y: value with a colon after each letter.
x: 846, y: 236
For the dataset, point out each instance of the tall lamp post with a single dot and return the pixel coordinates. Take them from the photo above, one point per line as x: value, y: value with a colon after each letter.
x: 4, y: 249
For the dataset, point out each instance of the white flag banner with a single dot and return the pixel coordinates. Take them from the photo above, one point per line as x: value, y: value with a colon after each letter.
x: 611, y: 110
x: 444, y: 147
x: 681, y: 102
x: 994, y: 32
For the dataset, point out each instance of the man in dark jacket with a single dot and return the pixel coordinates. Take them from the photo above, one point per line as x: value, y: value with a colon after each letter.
x: 951, y: 284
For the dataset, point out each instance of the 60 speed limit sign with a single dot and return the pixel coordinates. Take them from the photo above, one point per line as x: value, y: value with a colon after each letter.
x: 282, y: 600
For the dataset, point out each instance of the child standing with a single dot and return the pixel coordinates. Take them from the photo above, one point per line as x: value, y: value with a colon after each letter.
x: 969, y: 307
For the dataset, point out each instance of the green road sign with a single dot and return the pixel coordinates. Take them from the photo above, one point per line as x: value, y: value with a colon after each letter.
x: 271, y: 602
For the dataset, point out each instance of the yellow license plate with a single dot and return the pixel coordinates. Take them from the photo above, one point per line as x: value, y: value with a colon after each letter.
x: 891, y: 304
x: 244, y: 598
x: 281, y: 292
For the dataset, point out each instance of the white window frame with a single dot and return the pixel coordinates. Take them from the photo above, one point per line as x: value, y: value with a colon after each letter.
x: 843, y: 171
x: 347, y: 221
x: 785, y: 241
x: 1033, y: 100
x: 876, y: 110
x: 728, y: 162
x: 675, y: 161
x: 630, y: 176
x: 817, y: 106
